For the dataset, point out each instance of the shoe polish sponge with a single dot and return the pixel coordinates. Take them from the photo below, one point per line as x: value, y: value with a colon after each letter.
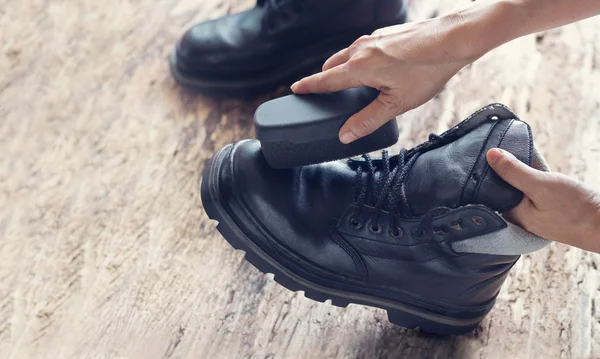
x: 299, y: 130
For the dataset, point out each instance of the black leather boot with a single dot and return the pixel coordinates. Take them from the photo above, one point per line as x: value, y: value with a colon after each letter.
x: 419, y: 234
x: 274, y: 43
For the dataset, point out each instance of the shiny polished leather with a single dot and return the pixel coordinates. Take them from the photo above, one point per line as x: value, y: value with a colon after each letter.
x: 305, y: 218
x: 277, y: 34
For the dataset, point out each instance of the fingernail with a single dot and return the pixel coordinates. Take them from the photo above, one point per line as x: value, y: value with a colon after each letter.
x: 347, y: 137
x: 494, y: 154
x: 295, y: 85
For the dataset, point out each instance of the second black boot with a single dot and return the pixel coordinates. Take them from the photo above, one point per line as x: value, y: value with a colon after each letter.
x: 274, y: 43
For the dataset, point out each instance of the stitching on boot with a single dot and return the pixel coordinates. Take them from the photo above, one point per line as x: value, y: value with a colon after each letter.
x: 351, y: 251
x: 486, y: 172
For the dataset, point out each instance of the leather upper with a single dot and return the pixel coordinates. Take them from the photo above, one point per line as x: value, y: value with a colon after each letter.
x: 275, y: 32
x: 305, y: 218
x: 459, y: 174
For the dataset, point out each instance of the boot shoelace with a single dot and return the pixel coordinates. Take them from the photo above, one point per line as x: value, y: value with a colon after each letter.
x: 391, y: 186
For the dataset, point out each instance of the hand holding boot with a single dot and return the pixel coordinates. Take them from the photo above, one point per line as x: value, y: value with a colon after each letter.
x: 555, y: 206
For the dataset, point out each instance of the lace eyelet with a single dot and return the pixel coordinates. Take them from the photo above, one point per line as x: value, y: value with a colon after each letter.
x: 374, y: 227
x: 478, y: 221
x: 457, y: 225
x: 441, y: 231
x: 355, y: 223
x: 396, y: 233
x: 493, y: 118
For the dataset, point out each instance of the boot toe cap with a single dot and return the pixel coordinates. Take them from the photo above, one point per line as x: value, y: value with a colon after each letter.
x: 287, y: 218
x: 200, y: 43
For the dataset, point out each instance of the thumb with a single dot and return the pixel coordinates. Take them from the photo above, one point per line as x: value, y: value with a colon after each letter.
x: 369, y: 119
x: 513, y: 171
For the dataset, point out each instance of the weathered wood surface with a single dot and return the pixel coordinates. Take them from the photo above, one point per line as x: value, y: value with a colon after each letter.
x: 105, y: 250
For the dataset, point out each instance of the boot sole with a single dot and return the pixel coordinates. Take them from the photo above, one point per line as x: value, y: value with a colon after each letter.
x: 266, y: 82
x: 243, y: 88
x: 398, y: 313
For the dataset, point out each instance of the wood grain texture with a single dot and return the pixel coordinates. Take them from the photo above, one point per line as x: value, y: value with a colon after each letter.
x: 105, y: 250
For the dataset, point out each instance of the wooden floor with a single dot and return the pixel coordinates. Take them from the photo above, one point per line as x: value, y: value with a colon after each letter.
x: 106, y: 252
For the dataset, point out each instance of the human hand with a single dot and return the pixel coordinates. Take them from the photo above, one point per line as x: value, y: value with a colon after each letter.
x: 555, y: 206
x: 409, y: 64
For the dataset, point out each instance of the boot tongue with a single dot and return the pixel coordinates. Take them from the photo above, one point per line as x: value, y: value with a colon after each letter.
x: 457, y: 173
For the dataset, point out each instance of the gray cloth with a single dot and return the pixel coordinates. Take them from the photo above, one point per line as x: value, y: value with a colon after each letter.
x: 512, y: 240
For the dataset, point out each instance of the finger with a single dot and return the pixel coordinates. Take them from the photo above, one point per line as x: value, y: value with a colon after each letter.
x: 521, y: 213
x: 337, y: 59
x: 513, y: 171
x: 369, y: 119
x: 336, y: 79
x: 526, y: 216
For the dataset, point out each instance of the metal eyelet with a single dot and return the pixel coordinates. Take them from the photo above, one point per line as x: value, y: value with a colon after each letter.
x: 493, y: 118
x: 441, y: 231
x: 457, y: 225
x: 374, y: 228
x: 478, y: 221
x: 396, y: 233
x: 355, y: 223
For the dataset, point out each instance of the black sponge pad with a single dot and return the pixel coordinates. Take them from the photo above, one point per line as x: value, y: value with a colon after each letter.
x: 302, y: 130
x: 284, y: 154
